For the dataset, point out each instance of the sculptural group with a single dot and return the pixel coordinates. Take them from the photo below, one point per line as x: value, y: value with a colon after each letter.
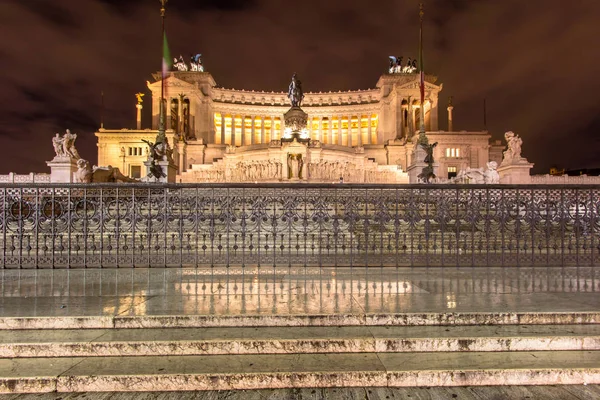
x: 87, y: 174
x: 427, y: 175
x: 513, y: 153
x: 396, y: 66
x: 257, y: 170
x: 64, y: 146
x: 479, y: 175
x: 159, y: 151
x: 195, y: 64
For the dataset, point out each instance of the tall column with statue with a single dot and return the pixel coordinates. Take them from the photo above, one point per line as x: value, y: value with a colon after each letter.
x: 139, y: 107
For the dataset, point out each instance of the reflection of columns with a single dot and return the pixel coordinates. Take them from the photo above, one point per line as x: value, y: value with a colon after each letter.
x: 369, y: 130
x: 222, y: 129
x: 139, y: 117
x: 262, y: 129
x: 450, y: 127
x: 252, y: 131
x: 243, y: 130
x: 339, y: 142
x: 273, y: 128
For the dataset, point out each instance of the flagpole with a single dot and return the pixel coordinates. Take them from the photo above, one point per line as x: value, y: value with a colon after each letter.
x: 422, y: 137
x: 161, y: 121
x: 484, y: 116
x: 102, y: 109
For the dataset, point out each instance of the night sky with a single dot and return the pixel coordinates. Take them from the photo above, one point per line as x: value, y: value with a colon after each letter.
x: 536, y: 62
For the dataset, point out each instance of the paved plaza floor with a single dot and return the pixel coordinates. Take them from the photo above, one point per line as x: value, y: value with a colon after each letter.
x: 296, y: 291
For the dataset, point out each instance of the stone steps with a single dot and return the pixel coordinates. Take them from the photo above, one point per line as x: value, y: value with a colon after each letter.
x: 313, y: 319
x: 296, y: 340
x: 256, y: 371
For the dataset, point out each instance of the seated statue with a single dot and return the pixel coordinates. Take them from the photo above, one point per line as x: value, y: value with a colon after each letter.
x: 491, y: 174
x: 87, y: 174
x: 478, y: 175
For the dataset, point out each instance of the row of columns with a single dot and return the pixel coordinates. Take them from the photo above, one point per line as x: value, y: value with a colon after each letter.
x: 253, y: 133
x: 319, y: 134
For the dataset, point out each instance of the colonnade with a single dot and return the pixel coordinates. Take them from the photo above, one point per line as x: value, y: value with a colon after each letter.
x: 240, y: 130
x: 342, y: 130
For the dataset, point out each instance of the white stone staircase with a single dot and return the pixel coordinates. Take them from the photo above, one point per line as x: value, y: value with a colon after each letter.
x: 187, y: 352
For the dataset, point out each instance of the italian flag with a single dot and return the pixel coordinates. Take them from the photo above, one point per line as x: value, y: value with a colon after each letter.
x: 167, y: 61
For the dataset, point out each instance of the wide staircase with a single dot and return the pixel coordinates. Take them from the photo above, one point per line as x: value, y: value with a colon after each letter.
x: 181, y: 330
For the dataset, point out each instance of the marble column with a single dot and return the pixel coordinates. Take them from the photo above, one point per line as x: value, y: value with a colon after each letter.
x: 243, y: 130
x: 232, y: 132
x: 222, y: 129
x: 358, y: 132
x: 450, y: 125
x: 330, y: 140
x: 180, y: 116
x: 339, y: 130
x: 262, y: 129
x: 369, y: 130
x: 273, y: 137
x: 252, y: 130
x: 138, y: 119
x: 320, y: 132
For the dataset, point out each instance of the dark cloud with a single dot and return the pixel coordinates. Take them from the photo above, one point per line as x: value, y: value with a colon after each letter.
x: 535, y: 62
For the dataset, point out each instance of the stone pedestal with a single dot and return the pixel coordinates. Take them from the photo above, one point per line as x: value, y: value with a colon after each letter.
x: 396, y: 153
x: 417, y: 164
x: 62, y: 169
x: 169, y: 170
x: 516, y: 173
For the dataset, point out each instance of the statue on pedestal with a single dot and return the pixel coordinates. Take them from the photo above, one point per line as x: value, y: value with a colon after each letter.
x: 64, y: 146
x: 295, y: 165
x: 512, y: 154
x: 427, y: 174
x: 295, y: 93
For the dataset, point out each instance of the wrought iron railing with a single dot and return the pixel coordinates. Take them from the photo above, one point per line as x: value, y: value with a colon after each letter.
x: 138, y: 225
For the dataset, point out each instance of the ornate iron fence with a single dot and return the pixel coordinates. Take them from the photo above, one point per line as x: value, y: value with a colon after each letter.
x: 138, y: 225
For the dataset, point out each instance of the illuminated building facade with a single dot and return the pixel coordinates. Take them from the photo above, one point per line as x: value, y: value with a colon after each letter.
x: 362, y: 136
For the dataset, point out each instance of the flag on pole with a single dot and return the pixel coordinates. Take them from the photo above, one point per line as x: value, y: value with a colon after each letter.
x: 422, y: 85
x: 167, y: 61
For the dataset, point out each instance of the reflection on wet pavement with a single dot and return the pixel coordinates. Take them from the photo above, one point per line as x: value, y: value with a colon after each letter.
x: 253, y: 291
